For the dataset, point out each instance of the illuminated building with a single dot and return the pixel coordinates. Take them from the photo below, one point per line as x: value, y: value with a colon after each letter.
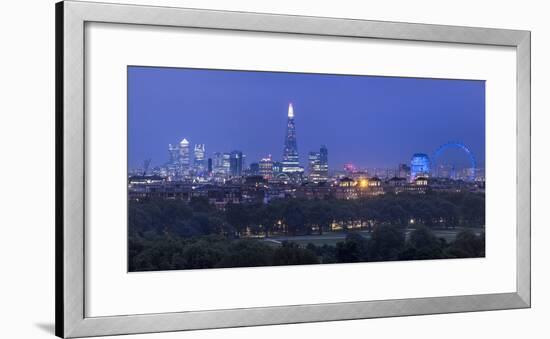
x: 365, y: 187
x: 291, y: 162
x: 420, y: 165
x: 313, y: 168
x: 266, y: 167
x: 184, y: 154
x: 277, y: 168
x: 217, y: 163
x: 347, y: 182
x: 363, y: 183
x: 318, y: 165
x: 199, y: 153
x: 173, y: 154
x: 145, y: 179
x: 421, y: 181
x: 226, y: 163
x: 172, y: 165
x: 236, y: 163
x: 323, y: 163
x: 346, y: 189
x: 419, y: 185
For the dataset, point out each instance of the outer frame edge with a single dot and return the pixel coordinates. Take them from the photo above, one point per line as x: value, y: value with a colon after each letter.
x: 70, y: 320
x: 292, y: 24
x: 59, y: 267
x: 186, y: 321
x: 71, y: 165
x: 524, y: 168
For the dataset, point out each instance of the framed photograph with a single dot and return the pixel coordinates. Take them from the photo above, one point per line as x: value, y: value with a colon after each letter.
x: 221, y: 169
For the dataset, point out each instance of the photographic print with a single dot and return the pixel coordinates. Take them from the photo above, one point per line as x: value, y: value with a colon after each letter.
x: 233, y: 168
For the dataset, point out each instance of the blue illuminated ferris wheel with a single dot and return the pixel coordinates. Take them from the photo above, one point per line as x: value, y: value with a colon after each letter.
x: 461, y: 146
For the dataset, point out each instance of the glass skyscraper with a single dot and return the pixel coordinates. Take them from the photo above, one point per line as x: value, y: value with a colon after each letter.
x: 184, y: 154
x: 291, y: 162
x: 318, y: 165
x: 200, y: 160
x: 323, y: 163
x: 173, y: 152
x: 236, y: 163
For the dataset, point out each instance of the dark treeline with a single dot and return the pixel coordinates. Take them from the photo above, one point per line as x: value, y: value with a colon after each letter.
x: 388, y: 243
x: 165, y: 234
x: 300, y: 217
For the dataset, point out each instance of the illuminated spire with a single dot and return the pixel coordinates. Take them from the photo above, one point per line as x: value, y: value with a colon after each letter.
x: 291, y: 161
x: 290, y: 111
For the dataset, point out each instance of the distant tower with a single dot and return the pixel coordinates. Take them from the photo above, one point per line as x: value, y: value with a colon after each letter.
x: 209, y: 170
x: 226, y: 163
x: 184, y: 154
x: 173, y: 152
x: 291, y: 162
x: 323, y: 163
x: 199, y: 153
x: 318, y: 165
x: 217, y: 163
x: 236, y: 163
x: 266, y: 167
x: 313, y: 168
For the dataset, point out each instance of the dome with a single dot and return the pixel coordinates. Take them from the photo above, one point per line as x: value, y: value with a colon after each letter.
x: 420, y: 165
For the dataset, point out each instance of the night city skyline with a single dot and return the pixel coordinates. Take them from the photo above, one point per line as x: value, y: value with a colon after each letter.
x: 368, y: 121
x: 245, y: 169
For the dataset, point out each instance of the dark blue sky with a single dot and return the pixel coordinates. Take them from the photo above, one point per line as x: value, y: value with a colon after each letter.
x: 369, y: 121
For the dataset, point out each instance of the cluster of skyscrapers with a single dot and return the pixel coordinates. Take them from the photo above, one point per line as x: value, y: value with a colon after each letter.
x: 190, y: 164
x: 179, y: 162
x: 187, y: 163
x: 224, y: 177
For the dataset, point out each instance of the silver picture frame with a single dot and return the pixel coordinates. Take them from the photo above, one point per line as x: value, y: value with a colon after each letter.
x: 71, y: 18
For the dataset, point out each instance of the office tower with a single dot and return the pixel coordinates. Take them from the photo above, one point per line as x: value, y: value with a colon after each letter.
x: 209, y: 169
x: 226, y: 163
x: 266, y: 168
x: 291, y: 162
x: 173, y: 151
x: 313, y: 166
x: 323, y: 163
x: 243, y: 162
x: 318, y: 165
x: 217, y: 163
x: 184, y: 154
x: 199, y: 153
x: 236, y: 163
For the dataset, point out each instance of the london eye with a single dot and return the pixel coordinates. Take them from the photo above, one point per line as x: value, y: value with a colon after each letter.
x: 455, y: 145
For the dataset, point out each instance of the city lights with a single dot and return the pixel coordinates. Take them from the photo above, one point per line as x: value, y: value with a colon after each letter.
x: 225, y: 177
